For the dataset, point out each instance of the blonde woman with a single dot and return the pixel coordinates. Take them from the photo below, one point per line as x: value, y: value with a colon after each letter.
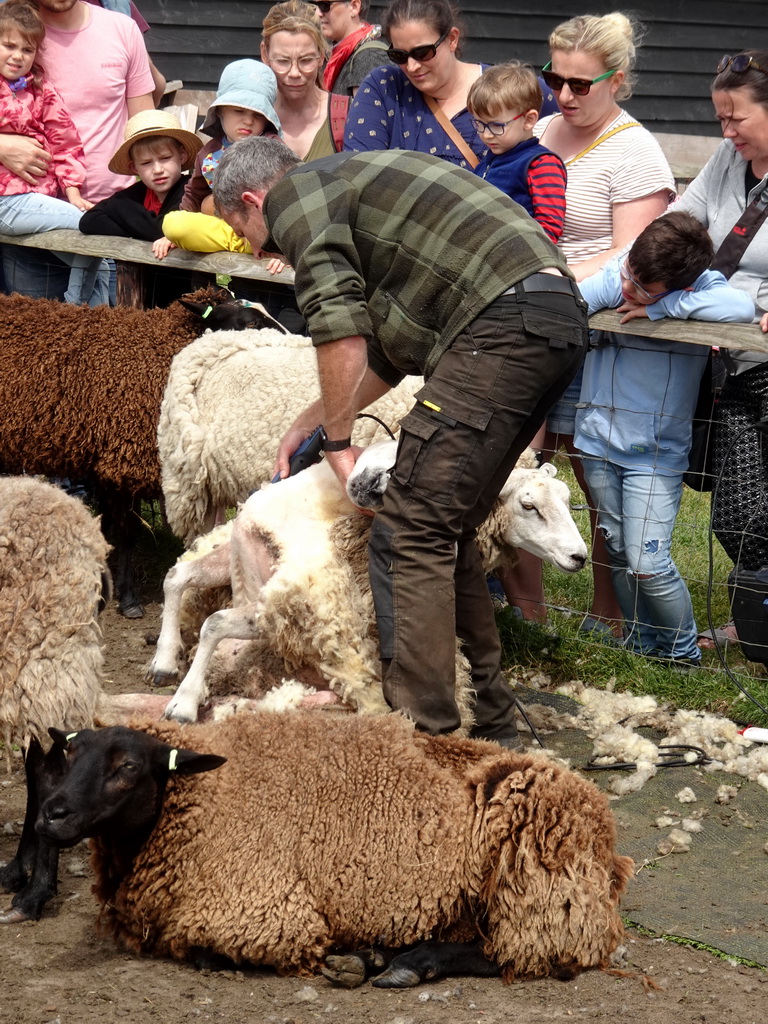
x: 294, y: 47
x: 618, y: 182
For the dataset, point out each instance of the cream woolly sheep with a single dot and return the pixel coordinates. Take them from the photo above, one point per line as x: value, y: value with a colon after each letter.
x: 325, y: 833
x: 53, y: 577
x: 296, y: 559
x: 80, y: 393
x: 229, y: 400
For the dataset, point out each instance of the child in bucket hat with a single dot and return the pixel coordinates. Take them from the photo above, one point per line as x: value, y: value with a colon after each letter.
x: 157, y: 150
x: 244, y: 106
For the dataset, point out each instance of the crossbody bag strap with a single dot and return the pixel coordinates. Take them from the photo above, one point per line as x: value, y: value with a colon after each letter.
x: 602, y: 138
x: 451, y: 131
x: 733, y: 246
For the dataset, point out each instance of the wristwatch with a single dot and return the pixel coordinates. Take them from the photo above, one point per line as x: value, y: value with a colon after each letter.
x: 337, y: 446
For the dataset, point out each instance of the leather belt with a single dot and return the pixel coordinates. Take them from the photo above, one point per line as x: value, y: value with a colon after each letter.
x: 544, y: 283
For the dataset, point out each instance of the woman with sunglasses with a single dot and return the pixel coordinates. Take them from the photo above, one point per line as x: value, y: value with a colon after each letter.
x: 391, y: 109
x: 618, y: 182
x: 733, y: 178
x: 293, y: 45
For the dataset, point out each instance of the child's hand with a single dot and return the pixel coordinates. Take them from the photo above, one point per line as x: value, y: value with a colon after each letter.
x: 275, y: 264
x: 161, y: 247
x: 764, y: 323
x: 74, y: 197
x: 631, y: 311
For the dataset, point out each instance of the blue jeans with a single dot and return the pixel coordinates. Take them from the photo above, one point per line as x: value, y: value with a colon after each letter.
x: 636, y: 511
x: 30, y: 213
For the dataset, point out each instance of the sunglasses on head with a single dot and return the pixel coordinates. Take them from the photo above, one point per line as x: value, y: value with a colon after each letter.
x: 420, y: 54
x: 740, y: 63
x: 578, y: 86
x: 324, y: 6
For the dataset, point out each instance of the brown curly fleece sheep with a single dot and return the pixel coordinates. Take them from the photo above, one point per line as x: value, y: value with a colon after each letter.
x: 322, y: 832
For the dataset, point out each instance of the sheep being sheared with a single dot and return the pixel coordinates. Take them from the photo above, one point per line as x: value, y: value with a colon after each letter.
x: 53, y: 578
x: 295, y: 557
x: 229, y: 399
x: 323, y: 833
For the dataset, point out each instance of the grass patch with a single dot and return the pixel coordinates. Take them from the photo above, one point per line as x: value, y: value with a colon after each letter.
x: 681, y: 940
x: 562, y: 653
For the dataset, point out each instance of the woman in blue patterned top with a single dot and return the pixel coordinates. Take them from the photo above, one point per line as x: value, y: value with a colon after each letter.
x: 391, y: 109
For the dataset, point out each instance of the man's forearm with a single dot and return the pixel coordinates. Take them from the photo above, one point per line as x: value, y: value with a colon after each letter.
x: 342, y: 366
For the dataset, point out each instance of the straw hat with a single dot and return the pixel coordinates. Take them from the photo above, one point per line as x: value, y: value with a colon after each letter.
x: 245, y: 83
x: 145, y: 125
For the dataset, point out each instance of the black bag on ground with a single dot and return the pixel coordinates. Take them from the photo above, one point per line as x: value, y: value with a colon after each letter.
x: 749, y: 606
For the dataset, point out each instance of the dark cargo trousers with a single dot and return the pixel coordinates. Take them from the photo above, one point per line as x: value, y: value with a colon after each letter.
x: 488, y: 395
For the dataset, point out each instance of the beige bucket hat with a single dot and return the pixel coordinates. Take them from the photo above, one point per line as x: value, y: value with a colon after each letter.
x: 148, y: 123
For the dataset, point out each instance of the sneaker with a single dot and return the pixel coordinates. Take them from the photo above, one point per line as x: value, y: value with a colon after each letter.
x: 675, y: 664
x: 508, y: 740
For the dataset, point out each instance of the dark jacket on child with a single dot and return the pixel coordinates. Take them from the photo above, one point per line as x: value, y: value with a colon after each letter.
x: 124, y: 213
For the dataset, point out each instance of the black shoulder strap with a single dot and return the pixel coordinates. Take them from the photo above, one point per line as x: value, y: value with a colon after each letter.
x: 734, y: 245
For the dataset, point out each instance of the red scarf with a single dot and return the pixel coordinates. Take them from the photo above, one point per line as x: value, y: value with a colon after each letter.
x: 342, y: 51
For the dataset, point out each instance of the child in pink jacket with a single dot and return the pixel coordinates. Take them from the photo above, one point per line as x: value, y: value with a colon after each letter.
x: 30, y: 106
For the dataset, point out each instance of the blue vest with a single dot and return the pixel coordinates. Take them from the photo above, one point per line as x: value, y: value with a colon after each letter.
x: 509, y: 171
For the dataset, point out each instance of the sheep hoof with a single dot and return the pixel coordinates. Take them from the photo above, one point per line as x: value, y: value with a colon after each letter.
x: 15, y: 916
x: 344, y: 971
x: 397, y: 977
x: 131, y: 611
x: 160, y: 679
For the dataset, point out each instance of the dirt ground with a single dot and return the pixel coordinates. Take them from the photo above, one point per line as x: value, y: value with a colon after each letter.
x: 60, y: 971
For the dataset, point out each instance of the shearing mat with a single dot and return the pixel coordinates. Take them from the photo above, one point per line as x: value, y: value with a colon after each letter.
x: 717, y: 893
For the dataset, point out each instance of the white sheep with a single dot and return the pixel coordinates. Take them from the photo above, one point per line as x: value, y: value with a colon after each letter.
x: 296, y: 560
x: 53, y: 576
x: 229, y: 399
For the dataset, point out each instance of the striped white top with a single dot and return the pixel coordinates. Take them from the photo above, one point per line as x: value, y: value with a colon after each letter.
x: 627, y: 166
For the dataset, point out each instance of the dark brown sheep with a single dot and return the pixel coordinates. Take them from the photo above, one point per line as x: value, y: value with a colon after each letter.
x: 80, y: 393
x: 323, y: 833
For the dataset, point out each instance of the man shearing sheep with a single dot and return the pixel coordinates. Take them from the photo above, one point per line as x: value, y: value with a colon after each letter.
x: 406, y: 264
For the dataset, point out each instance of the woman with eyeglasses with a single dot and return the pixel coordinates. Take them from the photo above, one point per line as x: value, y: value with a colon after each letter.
x: 734, y: 177
x: 293, y: 45
x: 401, y: 107
x: 618, y: 182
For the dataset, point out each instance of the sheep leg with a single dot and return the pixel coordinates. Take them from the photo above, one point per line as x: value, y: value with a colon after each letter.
x: 212, y: 570
x: 32, y: 874
x: 434, y: 960
x: 350, y: 970
x: 230, y: 624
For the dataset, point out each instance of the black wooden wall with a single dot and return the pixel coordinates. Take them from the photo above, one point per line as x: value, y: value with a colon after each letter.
x: 194, y: 39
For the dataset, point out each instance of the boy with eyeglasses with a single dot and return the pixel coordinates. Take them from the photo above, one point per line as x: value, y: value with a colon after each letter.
x: 504, y: 103
x: 634, y: 422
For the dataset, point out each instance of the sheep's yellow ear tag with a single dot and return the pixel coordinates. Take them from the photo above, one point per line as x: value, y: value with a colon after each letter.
x: 172, y: 760
x: 207, y: 312
x: 70, y: 736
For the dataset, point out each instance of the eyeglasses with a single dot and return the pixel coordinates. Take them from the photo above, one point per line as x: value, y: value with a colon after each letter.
x: 420, y: 54
x: 578, y: 86
x: 627, y: 275
x: 324, y: 6
x: 494, y: 127
x: 740, y: 63
x: 282, y: 65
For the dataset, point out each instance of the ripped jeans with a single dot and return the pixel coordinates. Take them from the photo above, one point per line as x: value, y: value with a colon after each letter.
x: 636, y: 511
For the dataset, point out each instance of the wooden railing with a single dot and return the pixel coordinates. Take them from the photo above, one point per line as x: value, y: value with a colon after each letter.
x: 134, y: 259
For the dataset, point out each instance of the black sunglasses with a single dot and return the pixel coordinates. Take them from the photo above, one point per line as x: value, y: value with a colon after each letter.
x: 418, y: 53
x: 578, y: 86
x: 740, y: 63
x: 324, y: 6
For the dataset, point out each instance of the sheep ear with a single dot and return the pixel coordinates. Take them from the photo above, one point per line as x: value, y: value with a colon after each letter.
x: 60, y: 737
x: 188, y: 762
x: 202, y: 309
